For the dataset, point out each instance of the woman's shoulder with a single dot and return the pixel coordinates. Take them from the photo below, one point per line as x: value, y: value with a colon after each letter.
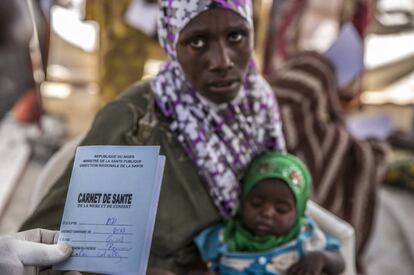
x: 120, y: 117
x: 138, y: 94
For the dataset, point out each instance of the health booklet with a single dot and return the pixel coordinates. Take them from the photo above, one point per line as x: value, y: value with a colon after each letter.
x: 110, y: 208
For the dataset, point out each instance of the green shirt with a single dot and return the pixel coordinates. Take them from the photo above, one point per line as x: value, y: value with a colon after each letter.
x: 185, y: 207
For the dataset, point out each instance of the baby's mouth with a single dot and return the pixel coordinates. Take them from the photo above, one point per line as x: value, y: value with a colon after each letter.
x: 263, y: 229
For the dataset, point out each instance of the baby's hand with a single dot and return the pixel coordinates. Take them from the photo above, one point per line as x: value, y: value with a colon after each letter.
x: 311, y: 263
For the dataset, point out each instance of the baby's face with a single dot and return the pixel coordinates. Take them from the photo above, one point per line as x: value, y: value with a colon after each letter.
x: 269, y: 208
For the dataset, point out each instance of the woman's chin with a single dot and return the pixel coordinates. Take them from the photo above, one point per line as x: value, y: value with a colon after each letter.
x: 220, y: 94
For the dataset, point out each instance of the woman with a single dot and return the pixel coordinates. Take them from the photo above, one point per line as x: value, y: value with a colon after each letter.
x: 208, y: 109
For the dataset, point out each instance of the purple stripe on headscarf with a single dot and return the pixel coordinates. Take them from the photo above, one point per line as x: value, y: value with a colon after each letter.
x: 196, y: 141
x: 223, y: 4
x: 252, y: 64
x: 219, y: 125
x: 237, y: 2
x: 215, y: 173
x: 264, y: 106
x: 227, y: 206
x: 231, y: 116
x: 236, y: 158
x: 200, y: 137
x: 171, y: 36
x: 167, y: 112
x: 203, y: 132
x: 177, y: 102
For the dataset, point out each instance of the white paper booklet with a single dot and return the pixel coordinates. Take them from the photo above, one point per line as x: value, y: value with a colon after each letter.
x: 110, y: 208
x: 347, y: 55
x: 374, y: 126
x: 142, y: 16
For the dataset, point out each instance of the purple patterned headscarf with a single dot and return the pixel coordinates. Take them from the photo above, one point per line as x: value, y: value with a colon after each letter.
x: 221, y: 139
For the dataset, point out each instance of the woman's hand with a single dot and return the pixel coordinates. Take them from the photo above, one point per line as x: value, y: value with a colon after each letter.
x: 311, y: 263
x: 319, y: 262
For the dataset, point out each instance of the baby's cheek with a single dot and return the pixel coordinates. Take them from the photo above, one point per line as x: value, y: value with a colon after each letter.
x: 290, y: 221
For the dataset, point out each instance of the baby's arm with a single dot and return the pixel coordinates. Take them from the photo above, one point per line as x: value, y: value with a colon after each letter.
x: 319, y: 262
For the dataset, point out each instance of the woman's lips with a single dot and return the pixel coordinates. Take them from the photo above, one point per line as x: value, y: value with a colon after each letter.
x: 224, y: 86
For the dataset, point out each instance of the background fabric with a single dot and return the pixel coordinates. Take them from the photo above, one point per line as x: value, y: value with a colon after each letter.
x: 346, y: 171
x: 391, y: 247
x: 293, y: 24
x: 123, y: 50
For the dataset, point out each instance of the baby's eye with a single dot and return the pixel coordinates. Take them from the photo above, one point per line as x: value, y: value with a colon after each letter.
x: 256, y: 203
x: 197, y: 43
x: 236, y: 36
x: 282, y: 208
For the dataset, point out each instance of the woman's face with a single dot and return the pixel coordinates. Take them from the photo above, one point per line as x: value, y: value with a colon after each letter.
x: 214, y: 50
x: 269, y: 209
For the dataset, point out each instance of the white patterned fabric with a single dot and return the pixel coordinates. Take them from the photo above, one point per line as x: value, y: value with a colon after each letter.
x: 221, y: 139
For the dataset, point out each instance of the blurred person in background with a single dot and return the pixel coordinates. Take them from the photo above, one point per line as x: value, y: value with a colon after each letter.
x: 123, y: 49
x: 15, y: 34
x: 347, y: 171
x: 314, y: 110
x: 299, y: 25
x: 16, y: 71
x: 34, y: 247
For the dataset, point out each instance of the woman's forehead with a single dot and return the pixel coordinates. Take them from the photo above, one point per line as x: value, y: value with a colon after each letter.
x: 176, y: 14
x: 209, y: 20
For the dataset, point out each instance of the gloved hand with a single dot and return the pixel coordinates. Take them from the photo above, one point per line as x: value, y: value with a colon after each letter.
x: 35, y: 247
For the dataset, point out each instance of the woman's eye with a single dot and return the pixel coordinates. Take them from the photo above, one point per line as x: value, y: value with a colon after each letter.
x: 197, y: 43
x: 236, y: 36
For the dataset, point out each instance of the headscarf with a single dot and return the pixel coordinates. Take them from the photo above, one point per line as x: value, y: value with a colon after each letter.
x: 220, y: 139
x: 271, y: 165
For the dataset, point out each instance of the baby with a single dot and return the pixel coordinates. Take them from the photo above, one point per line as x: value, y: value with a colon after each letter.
x: 271, y: 233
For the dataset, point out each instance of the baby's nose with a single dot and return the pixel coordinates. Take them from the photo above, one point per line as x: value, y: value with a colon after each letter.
x: 268, y: 211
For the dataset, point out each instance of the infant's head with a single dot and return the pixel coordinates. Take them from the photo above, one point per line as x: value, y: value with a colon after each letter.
x: 275, y: 190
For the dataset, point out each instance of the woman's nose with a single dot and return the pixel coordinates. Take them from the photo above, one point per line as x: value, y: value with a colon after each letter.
x: 219, y: 57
